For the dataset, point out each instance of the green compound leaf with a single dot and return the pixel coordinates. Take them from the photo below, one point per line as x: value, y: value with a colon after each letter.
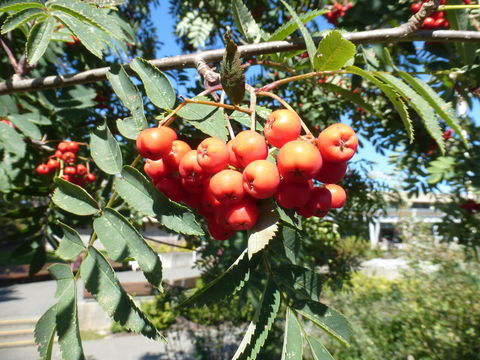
x: 331, y: 321
x: 20, y: 18
x: 292, y: 339
x: 291, y: 26
x: 305, y: 283
x: 11, y: 140
x: 71, y: 244
x: 88, y: 35
x: 193, y: 111
x: 227, y: 284
x: 128, y: 94
x: 73, y: 198
x: 311, y: 50
x: 122, y: 240
x: 442, y: 108
x: 38, y: 39
x: 214, y: 125
x: 28, y: 128
x: 105, y: 150
x: 265, y: 228
x: 232, y: 75
x: 319, y: 351
x: 19, y: 5
x: 389, y: 92
x: 246, y: 24
x: 140, y: 193
x: 157, y: 86
x: 261, y: 324
x: 66, y: 312
x: 100, y: 280
x: 44, y: 333
x: 333, y: 52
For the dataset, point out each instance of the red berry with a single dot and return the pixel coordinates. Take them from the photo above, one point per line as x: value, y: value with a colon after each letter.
x: 428, y: 23
x: 331, y: 173
x: 81, y: 169
x: 62, y: 146
x: 293, y: 195
x: 171, y: 188
x: 261, y: 179
x: 212, y: 155
x: 178, y: 150
x: 53, y: 164
x: 91, y: 177
x: 338, y: 195
x: 415, y: 7
x: 42, y: 169
x: 282, y: 126
x: 58, y: 154
x: 70, y: 170
x: 249, y: 146
x: 156, y: 169
x: 72, y: 146
x: 219, y: 231
x: 227, y: 187
x: 155, y: 143
x: 241, y: 216
x: 69, y: 157
x: 298, y: 161
x: 337, y: 143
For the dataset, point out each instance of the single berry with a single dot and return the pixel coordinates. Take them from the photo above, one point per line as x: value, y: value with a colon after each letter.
x: 282, y: 126
x: 337, y: 143
x: 70, y: 170
x: 249, y: 146
x: 293, y: 194
x: 58, y: 154
x: 218, y: 231
x: 72, y: 146
x: 170, y: 188
x: 156, y: 169
x: 331, y: 173
x: 428, y: 23
x: 298, y: 161
x: 338, y: 195
x: 42, y: 169
x: 318, y: 205
x: 192, y: 174
x: 62, y: 146
x: 233, y: 161
x: 178, y: 150
x: 242, y: 216
x: 69, y: 157
x: 90, y: 177
x: 155, y: 143
x: 81, y: 169
x: 212, y: 155
x: 227, y: 187
x: 261, y: 179
x: 53, y: 164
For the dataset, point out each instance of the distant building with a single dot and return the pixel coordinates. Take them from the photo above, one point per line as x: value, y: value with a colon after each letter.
x: 383, y: 230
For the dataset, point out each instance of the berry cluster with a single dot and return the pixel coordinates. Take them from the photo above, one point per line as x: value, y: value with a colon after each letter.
x: 64, y: 161
x: 338, y: 10
x: 437, y: 19
x: 224, y: 181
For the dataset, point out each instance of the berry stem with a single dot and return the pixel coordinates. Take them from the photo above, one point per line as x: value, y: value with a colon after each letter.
x: 457, y: 7
x: 253, y: 105
x: 170, y: 117
x: 212, y: 103
x: 227, y: 118
x: 286, y: 80
x: 287, y: 106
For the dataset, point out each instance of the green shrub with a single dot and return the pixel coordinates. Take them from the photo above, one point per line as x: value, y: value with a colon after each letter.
x: 425, y: 315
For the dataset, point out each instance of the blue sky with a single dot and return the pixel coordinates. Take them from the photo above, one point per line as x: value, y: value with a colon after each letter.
x: 165, y: 23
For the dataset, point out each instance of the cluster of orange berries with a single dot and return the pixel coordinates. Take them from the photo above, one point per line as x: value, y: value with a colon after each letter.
x: 338, y: 10
x: 224, y: 181
x: 437, y: 19
x: 64, y: 160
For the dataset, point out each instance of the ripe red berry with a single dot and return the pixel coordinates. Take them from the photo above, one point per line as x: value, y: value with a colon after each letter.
x: 318, y: 204
x: 233, y: 161
x: 261, y: 179
x: 58, y: 154
x: 81, y: 169
x: 337, y: 143
x: 53, y: 164
x: 282, y: 126
x: 219, y: 231
x: 72, y: 146
x: 69, y: 157
x: 227, y: 187
x: 428, y: 23
x: 338, y: 195
x: 155, y: 143
x: 156, y: 169
x: 192, y: 174
x: 439, y: 23
x: 62, y: 146
x: 298, y: 161
x: 170, y: 188
x: 415, y: 7
x: 70, y: 170
x: 42, y: 169
x: 241, y: 216
x: 293, y: 194
x: 90, y: 177
x: 331, y: 173
x: 212, y: 155
x: 209, y: 202
x: 178, y: 150
x: 249, y: 146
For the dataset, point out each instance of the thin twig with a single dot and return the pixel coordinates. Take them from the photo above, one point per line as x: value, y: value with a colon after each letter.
x: 10, y: 55
x: 170, y: 117
x: 253, y: 105
x: 286, y: 105
x: 225, y: 106
x: 227, y: 118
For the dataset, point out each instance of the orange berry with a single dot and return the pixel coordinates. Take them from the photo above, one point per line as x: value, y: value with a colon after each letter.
x: 298, y: 161
x: 242, y: 216
x: 338, y: 195
x: 212, y: 155
x: 337, y: 143
x: 178, y: 150
x: 227, y: 186
x: 331, y: 173
x: 261, y: 179
x: 293, y: 194
x: 155, y: 143
x: 249, y: 146
x: 156, y: 169
x: 282, y: 126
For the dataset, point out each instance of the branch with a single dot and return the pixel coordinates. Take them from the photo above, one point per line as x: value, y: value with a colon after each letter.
x: 190, y: 61
x: 10, y: 55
